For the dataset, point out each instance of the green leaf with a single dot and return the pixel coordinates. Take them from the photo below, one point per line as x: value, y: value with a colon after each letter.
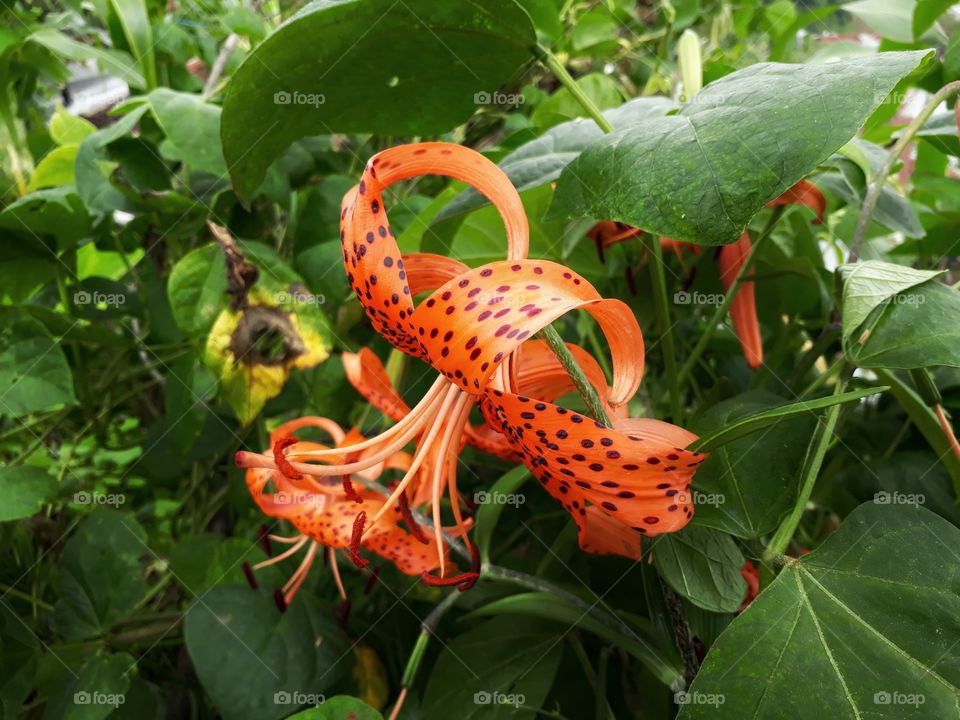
x: 92, y: 184
x: 914, y: 329
x: 752, y: 423
x: 24, y: 490
x: 67, y: 129
x: 116, y: 62
x: 375, y: 66
x: 507, y: 658
x: 926, y: 13
x: 488, y: 513
x: 547, y: 606
x: 254, y: 661
x: 34, y: 373
x: 56, y: 168
x: 704, y: 566
x: 541, y: 161
x: 868, y: 620
x: 200, y: 562
x: 341, y: 707
x: 101, y: 580
x: 192, y: 127
x: 197, y: 290
x: 891, y: 18
x: 56, y: 212
x: 683, y: 176
x: 871, y: 284
x: 135, y: 22
x: 95, y: 691
x: 747, y: 485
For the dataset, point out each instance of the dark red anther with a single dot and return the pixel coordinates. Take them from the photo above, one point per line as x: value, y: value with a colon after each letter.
x: 404, y: 506
x: 598, y: 239
x: 349, y: 490
x: 630, y: 283
x: 264, y: 540
x: 355, y: 538
x: 279, y: 600
x: 464, y: 581
x: 283, y: 465
x: 248, y: 573
x: 345, y: 611
x: 371, y: 581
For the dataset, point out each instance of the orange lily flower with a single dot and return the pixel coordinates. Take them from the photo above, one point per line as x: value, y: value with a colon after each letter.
x: 326, y: 515
x: 472, y: 328
x: 743, y: 310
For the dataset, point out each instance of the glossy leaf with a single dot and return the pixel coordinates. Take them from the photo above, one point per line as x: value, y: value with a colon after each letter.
x: 746, y: 425
x: 373, y: 66
x: 747, y: 485
x: 541, y: 161
x: 506, y: 656
x: 257, y: 662
x: 24, y: 490
x: 770, y: 123
x: 703, y: 565
x: 869, y: 619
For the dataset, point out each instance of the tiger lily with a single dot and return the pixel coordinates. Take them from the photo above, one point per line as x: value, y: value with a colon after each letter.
x: 472, y: 328
x: 731, y: 258
x: 326, y: 515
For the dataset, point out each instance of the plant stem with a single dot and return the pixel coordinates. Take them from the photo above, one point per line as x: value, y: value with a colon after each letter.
x: 586, y: 390
x: 879, y: 179
x: 681, y: 632
x: 7, y: 590
x: 722, y: 308
x: 815, y: 454
x: 560, y: 72
x: 659, y: 280
x: 427, y: 628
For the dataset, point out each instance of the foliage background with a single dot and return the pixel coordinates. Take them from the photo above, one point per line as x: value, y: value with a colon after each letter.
x: 125, y: 525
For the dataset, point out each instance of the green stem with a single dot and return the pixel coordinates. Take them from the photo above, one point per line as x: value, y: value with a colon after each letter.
x: 815, y: 455
x: 723, y: 307
x: 7, y: 590
x: 427, y: 629
x: 659, y: 280
x: 879, y: 179
x: 586, y: 390
x: 560, y: 72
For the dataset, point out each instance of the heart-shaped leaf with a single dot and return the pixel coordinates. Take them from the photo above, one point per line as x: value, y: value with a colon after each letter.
x: 24, y: 489
x: 702, y: 174
x: 378, y: 66
x: 257, y: 662
x: 703, y: 565
x: 869, y: 620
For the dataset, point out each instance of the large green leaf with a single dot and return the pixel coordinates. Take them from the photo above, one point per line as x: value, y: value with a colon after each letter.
x: 95, y: 691
x: 24, y: 489
x: 100, y: 575
x: 914, y: 329
x: 341, y: 707
x: 192, y: 127
x: 703, y: 565
x: 483, y: 673
x: 395, y: 68
x: 747, y: 485
x: 866, y: 625
x: 542, y: 160
x: 135, y: 22
x: 255, y: 661
x: 702, y: 174
x: 34, y: 374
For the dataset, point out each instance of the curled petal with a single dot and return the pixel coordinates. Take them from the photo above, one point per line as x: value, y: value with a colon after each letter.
x: 803, y: 193
x: 427, y: 271
x: 743, y: 309
x: 366, y: 373
x: 640, y: 479
x: 468, y: 326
